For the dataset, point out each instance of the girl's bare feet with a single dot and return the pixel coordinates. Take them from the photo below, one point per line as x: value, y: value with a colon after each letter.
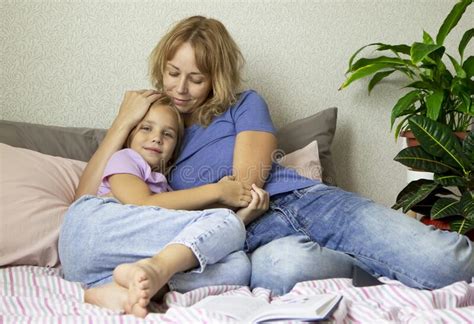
x: 143, y: 279
x: 111, y: 296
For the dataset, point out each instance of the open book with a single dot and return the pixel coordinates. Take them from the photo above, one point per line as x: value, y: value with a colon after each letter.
x: 254, y: 310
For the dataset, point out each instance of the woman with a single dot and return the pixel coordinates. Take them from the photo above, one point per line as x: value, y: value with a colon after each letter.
x: 198, y: 64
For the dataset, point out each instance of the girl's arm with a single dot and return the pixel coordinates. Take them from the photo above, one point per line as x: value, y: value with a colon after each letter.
x: 134, y: 106
x: 130, y: 189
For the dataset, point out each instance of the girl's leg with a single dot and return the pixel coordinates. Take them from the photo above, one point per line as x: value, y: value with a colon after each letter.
x: 99, y: 234
x: 146, y: 277
x: 385, y: 242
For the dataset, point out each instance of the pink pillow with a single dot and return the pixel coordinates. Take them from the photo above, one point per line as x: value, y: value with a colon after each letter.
x: 305, y: 161
x: 35, y: 192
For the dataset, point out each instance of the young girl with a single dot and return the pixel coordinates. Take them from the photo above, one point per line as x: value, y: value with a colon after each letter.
x: 134, y: 178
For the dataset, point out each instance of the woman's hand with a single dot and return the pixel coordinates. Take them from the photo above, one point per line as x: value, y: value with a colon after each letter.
x: 135, y: 105
x: 257, y: 207
x: 233, y: 193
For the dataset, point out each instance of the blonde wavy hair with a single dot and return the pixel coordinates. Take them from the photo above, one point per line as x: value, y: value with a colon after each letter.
x: 216, y: 54
x: 166, y: 101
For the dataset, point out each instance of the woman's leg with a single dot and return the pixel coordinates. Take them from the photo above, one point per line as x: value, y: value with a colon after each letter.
x: 282, y: 263
x: 384, y: 241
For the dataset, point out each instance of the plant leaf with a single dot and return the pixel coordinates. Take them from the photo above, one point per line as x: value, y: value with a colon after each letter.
x: 468, y: 67
x: 468, y: 146
x: 462, y: 225
x: 450, y: 180
x: 457, y: 67
x: 427, y: 39
x: 420, y: 85
x: 391, y: 61
x: 363, y: 72
x: 351, y: 59
x: 467, y: 205
x: 415, y: 157
x: 400, y: 125
x: 400, y: 48
x: 378, y: 77
x: 413, y: 193
x: 437, y: 139
x: 419, y: 51
x: 445, y: 207
x: 405, y: 105
x: 433, y: 104
x: 451, y: 20
x: 466, y: 38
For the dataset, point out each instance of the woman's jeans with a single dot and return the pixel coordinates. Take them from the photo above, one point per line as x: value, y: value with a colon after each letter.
x: 98, y: 234
x: 327, y: 230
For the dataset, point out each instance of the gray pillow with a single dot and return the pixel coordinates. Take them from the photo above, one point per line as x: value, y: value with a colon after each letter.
x: 68, y: 142
x: 81, y: 143
x: 320, y: 127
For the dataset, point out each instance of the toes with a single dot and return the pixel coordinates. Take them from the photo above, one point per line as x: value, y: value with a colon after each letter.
x: 143, y: 302
x: 139, y: 311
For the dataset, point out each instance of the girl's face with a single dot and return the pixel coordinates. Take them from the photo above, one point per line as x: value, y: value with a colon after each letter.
x: 184, y: 83
x: 155, y: 136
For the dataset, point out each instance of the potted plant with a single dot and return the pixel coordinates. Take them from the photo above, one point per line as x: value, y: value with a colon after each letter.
x: 450, y: 195
x: 436, y: 92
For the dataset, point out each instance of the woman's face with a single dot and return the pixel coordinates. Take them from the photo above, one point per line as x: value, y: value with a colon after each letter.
x: 184, y: 83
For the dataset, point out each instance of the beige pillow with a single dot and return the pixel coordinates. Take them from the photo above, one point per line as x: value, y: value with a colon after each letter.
x: 305, y: 161
x: 35, y: 192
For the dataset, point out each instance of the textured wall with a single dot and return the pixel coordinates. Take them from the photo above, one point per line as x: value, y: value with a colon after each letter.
x: 69, y: 63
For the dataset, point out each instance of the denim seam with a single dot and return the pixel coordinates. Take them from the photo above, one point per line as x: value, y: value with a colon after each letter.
x: 193, y: 247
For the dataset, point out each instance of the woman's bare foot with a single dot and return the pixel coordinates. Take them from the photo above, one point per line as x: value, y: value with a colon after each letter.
x: 111, y: 296
x: 143, y: 280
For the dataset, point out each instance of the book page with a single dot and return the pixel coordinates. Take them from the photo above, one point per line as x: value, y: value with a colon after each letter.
x: 237, y: 307
x: 253, y: 309
x: 304, y: 308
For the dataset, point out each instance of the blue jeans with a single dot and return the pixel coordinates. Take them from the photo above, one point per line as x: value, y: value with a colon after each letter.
x: 98, y: 234
x: 333, y: 229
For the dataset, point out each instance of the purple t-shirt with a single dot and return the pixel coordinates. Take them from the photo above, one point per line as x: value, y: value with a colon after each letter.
x: 207, y: 152
x: 130, y: 162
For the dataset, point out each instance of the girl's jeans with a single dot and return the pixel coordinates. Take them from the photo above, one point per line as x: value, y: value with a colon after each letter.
x: 98, y: 234
x: 336, y: 229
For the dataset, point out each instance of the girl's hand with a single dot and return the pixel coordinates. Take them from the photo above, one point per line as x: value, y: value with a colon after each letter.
x: 233, y: 193
x: 135, y: 105
x: 257, y: 207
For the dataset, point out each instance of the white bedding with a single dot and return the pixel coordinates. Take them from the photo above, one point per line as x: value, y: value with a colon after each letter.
x: 39, y: 295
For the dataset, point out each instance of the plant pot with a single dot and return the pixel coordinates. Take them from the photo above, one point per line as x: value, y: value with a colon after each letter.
x: 412, y: 141
x: 442, y: 225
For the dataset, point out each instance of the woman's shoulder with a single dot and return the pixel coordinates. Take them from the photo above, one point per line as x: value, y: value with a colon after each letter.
x: 249, y: 94
x: 249, y: 99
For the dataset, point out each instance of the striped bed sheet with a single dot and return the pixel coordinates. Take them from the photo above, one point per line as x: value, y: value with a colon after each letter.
x: 39, y: 295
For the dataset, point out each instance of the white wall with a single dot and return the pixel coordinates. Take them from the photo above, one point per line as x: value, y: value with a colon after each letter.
x: 69, y: 62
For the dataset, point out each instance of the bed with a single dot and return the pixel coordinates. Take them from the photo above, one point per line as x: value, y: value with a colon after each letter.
x: 40, y: 169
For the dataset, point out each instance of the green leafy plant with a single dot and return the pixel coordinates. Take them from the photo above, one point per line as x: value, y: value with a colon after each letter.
x: 450, y: 195
x: 436, y: 92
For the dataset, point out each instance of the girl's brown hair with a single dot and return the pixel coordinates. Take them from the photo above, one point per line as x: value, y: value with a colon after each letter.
x: 166, y: 101
x: 217, y: 55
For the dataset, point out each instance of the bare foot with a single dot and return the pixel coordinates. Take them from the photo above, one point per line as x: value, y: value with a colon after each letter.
x: 111, y: 296
x: 143, y: 279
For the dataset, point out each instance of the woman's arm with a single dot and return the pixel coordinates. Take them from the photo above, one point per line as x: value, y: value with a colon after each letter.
x: 253, y: 157
x: 130, y: 189
x: 134, y: 106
